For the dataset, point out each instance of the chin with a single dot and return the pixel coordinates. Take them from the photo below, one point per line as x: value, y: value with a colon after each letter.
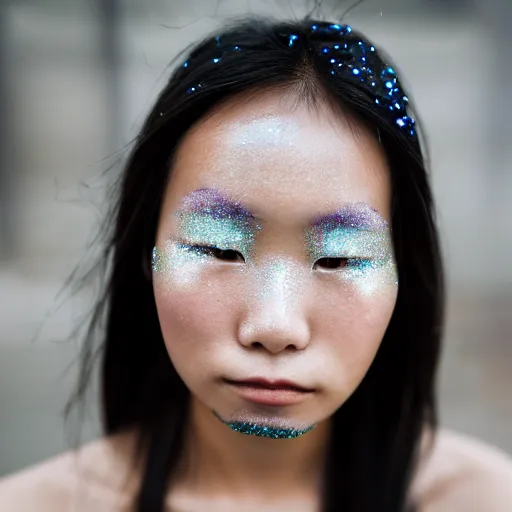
x: 267, y: 426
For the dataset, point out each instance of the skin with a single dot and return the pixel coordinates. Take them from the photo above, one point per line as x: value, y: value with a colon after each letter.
x: 461, y: 473
x: 274, y: 313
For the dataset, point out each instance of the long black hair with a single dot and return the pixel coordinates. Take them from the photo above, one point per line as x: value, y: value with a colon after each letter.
x: 376, y: 434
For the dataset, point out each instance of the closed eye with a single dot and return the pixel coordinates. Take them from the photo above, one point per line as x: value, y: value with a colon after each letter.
x: 344, y: 263
x: 220, y: 254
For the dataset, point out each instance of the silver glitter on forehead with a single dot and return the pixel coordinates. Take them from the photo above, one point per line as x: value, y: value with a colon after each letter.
x: 268, y: 131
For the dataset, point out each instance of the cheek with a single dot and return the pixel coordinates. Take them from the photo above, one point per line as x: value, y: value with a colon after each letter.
x: 353, y: 327
x: 197, y: 311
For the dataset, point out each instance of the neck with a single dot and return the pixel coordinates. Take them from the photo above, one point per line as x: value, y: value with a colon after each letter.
x: 224, y: 461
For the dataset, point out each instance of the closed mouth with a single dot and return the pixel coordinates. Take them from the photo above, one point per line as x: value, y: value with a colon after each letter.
x: 269, y: 386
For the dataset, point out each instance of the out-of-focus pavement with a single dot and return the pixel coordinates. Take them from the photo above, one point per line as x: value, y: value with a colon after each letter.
x: 61, y: 134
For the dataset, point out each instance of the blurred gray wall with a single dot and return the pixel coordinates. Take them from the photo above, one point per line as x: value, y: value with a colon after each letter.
x: 77, y: 79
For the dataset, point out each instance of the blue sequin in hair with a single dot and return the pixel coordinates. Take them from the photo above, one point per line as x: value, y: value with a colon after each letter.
x: 376, y: 433
x: 339, y: 50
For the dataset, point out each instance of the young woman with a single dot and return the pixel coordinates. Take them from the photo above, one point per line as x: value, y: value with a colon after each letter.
x: 275, y: 301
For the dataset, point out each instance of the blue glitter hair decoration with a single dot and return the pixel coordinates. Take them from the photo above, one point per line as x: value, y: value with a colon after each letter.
x: 345, y: 55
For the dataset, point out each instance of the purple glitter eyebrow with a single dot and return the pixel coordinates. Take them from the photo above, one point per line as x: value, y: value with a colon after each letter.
x: 358, y: 216
x: 209, y: 201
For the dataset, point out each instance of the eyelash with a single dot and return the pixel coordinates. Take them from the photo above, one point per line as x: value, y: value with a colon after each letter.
x: 347, y: 263
x: 350, y: 263
x: 210, y: 250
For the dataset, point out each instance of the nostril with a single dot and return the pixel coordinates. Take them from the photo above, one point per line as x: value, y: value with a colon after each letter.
x: 258, y: 346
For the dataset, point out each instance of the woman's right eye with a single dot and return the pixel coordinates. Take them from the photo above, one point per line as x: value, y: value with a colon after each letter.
x: 220, y: 254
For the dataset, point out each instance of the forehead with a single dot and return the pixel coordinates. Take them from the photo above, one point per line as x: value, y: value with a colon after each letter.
x: 282, y: 159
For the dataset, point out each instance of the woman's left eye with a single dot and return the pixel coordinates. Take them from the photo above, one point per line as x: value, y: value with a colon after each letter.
x: 344, y: 263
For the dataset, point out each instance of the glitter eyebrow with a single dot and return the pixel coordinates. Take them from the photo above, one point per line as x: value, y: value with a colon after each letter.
x: 208, y: 217
x: 357, y: 216
x: 211, y: 202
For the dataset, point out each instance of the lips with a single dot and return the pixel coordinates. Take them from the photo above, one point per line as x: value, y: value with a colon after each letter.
x: 270, y: 384
x: 277, y: 393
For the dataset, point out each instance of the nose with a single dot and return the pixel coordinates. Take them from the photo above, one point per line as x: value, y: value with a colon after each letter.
x: 276, y: 318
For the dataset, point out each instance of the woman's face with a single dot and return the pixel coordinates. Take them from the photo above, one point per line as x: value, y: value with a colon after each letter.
x: 274, y: 259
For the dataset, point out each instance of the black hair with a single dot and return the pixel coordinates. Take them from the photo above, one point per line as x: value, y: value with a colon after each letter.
x: 374, y: 448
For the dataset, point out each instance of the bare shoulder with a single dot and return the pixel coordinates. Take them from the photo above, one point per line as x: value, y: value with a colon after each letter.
x: 96, y: 476
x: 463, y: 473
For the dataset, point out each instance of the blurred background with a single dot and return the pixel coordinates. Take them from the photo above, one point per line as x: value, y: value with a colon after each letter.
x: 76, y: 80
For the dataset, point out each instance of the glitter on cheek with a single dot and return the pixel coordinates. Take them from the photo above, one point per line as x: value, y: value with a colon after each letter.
x: 177, y: 265
x: 378, y: 279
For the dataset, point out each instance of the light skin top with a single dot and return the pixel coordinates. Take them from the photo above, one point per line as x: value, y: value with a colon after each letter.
x: 273, y: 259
